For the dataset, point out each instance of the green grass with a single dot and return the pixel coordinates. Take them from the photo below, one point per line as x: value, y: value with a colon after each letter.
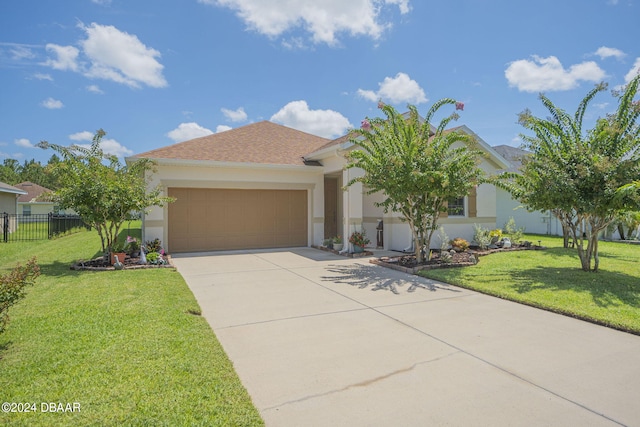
x: 552, y: 279
x: 123, y: 344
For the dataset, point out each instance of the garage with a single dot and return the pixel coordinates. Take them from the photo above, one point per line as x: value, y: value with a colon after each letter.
x: 203, y: 219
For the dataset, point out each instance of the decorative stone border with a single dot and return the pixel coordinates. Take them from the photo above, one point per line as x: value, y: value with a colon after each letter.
x: 79, y: 266
x: 392, y: 262
x: 345, y: 254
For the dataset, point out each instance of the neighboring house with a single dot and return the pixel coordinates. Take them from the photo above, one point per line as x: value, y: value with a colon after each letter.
x: 537, y: 222
x: 34, y: 201
x: 9, y: 204
x: 265, y: 185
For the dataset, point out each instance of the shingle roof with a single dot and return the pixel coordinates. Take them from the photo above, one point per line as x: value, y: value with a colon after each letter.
x: 263, y: 142
x: 6, y: 188
x: 512, y: 154
x: 33, y: 191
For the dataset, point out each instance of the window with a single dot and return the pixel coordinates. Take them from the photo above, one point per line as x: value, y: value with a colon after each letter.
x: 456, y: 207
x: 26, y: 210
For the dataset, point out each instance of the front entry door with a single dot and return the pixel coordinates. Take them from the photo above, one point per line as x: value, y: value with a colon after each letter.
x: 330, y: 207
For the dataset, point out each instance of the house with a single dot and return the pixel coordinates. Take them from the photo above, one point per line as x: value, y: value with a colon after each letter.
x: 33, y: 202
x: 537, y: 222
x: 265, y: 185
x: 9, y: 204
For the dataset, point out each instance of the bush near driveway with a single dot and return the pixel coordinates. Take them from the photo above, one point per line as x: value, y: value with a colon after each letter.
x: 550, y: 279
x: 125, y: 345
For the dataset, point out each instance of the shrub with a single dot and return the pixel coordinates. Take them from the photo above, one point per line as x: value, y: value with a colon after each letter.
x: 515, y: 234
x: 153, y: 257
x: 481, y: 236
x: 444, y: 239
x: 459, y: 244
x: 359, y: 238
x: 154, y: 245
x: 12, y: 288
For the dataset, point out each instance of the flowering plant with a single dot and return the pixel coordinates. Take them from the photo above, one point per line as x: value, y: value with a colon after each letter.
x: 337, y: 239
x: 359, y: 238
x: 132, y: 245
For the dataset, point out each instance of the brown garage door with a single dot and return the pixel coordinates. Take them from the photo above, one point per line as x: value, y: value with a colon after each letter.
x: 222, y: 219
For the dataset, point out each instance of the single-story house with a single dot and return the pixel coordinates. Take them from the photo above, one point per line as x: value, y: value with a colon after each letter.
x: 265, y: 185
x: 9, y: 204
x: 32, y: 202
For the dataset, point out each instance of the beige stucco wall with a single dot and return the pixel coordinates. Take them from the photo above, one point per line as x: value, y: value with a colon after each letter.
x: 210, y: 175
x: 8, y: 203
x: 36, y: 208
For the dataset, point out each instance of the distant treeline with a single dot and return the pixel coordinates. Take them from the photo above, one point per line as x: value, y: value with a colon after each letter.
x: 12, y: 172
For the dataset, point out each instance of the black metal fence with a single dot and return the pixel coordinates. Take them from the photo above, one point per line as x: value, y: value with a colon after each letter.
x: 20, y: 228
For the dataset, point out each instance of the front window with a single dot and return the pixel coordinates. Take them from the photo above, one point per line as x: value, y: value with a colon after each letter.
x: 456, y: 207
x: 26, y: 210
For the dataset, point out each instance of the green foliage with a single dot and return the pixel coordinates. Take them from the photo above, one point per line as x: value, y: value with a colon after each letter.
x: 153, y: 257
x: 101, y: 190
x: 481, y: 236
x: 359, y: 238
x: 12, y: 288
x: 12, y: 172
x: 415, y: 166
x: 578, y: 174
x: 154, y: 245
x: 514, y: 233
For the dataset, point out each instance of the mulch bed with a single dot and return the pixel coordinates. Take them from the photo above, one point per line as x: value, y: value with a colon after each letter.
x: 130, y: 263
x: 408, y: 264
x: 347, y: 254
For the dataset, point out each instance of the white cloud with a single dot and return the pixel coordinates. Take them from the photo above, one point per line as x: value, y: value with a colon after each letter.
x: 634, y: 71
x: 396, y: 90
x: 94, y: 89
x: 82, y: 136
x: 542, y: 74
x: 108, y: 145
x: 23, y: 142
x: 222, y: 128
x: 323, y: 19
x: 52, y: 104
x: 66, y: 57
x: 121, y: 57
x: 326, y: 123
x: 102, y: 2
x: 187, y: 131
x: 606, y: 52
x: 235, y: 115
x: 43, y: 76
x: 19, y: 52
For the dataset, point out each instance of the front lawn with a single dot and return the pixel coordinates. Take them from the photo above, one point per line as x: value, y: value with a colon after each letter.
x: 128, y: 346
x: 552, y: 279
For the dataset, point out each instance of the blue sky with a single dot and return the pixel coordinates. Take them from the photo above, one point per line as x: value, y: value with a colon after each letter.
x: 153, y: 73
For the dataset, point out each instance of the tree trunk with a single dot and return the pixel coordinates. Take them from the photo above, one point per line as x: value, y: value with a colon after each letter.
x: 621, y: 231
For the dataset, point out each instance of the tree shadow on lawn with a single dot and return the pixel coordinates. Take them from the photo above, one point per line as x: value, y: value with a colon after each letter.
x: 607, y: 288
x: 378, y: 278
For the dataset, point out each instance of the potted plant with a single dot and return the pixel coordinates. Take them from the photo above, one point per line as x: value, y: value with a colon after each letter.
x: 338, y: 244
x: 117, y: 250
x: 132, y: 247
x: 359, y: 240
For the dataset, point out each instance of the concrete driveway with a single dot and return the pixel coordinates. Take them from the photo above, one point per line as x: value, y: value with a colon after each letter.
x: 323, y: 340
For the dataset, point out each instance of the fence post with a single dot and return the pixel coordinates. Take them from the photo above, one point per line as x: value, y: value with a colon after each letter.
x: 5, y: 227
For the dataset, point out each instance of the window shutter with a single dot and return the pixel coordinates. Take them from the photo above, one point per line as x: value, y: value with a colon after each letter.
x: 472, y: 201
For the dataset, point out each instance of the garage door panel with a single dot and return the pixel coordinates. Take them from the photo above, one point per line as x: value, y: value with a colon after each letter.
x: 219, y: 219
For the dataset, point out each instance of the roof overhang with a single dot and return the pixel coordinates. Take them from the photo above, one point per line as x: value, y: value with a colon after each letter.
x: 231, y: 165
